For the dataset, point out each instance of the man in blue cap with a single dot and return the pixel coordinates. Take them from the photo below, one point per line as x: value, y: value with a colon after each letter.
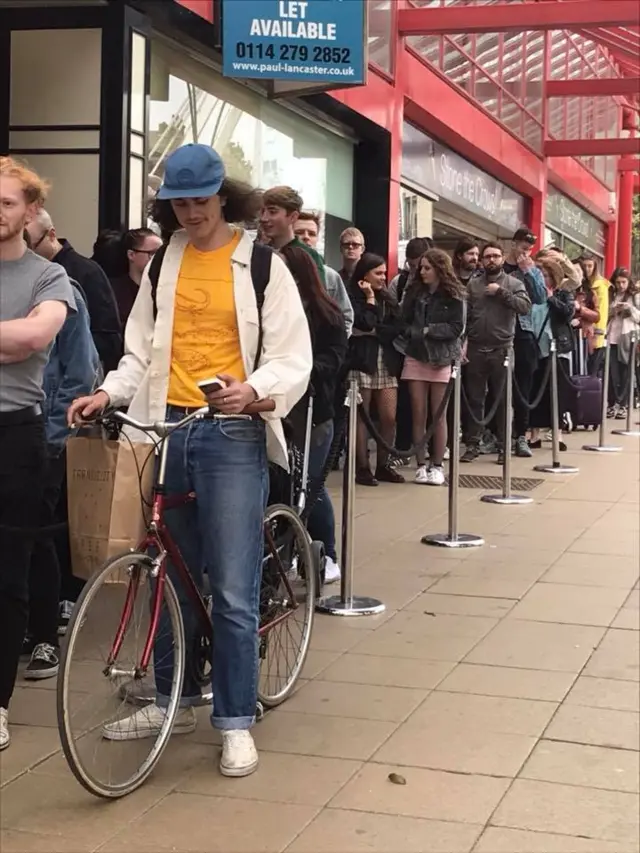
x: 202, y: 320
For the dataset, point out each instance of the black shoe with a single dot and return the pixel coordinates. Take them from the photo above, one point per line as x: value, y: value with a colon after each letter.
x: 364, y: 477
x: 44, y: 663
x: 536, y: 445
x: 500, y: 459
x: 386, y: 474
x: 470, y: 454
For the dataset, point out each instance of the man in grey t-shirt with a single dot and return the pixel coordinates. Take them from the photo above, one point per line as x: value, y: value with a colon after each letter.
x: 25, y: 284
x: 35, y: 298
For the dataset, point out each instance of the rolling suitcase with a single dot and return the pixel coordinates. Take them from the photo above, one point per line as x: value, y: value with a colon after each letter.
x: 583, y: 394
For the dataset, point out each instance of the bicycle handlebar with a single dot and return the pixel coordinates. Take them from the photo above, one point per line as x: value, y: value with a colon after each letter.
x: 163, y: 429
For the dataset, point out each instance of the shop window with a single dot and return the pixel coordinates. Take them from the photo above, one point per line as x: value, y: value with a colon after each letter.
x: 261, y: 142
x: 381, y: 31
x: 137, y: 91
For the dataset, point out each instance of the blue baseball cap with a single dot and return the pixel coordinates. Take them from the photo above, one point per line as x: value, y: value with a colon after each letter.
x: 192, y: 171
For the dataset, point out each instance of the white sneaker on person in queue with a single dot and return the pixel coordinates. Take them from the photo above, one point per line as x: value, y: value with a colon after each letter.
x: 331, y: 571
x: 239, y: 753
x: 147, y: 722
x: 421, y: 476
x: 435, y: 476
x: 5, y: 737
x: 447, y: 454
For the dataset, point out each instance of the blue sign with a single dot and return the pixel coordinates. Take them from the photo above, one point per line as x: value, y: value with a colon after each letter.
x: 319, y: 41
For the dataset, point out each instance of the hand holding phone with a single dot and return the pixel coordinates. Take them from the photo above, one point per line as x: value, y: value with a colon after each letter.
x: 211, y: 386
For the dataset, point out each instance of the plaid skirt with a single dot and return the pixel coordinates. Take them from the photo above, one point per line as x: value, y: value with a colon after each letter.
x: 375, y: 381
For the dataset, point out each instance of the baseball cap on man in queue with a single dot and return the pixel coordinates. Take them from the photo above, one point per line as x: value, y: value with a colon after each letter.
x: 524, y: 235
x: 192, y: 171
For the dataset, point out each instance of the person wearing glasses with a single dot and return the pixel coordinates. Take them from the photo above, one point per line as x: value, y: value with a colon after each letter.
x: 495, y: 300
x: 106, y: 329
x: 351, y: 249
x: 137, y: 247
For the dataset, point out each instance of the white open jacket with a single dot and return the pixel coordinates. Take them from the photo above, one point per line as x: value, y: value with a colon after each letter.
x: 141, y: 380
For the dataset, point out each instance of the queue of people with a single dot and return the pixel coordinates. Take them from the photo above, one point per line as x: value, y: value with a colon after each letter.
x: 63, y: 359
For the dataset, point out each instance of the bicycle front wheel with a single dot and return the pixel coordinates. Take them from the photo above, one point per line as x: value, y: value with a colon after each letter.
x: 287, y: 604
x: 109, y: 751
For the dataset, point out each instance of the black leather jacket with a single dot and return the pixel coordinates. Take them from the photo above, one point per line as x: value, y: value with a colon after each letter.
x: 561, y: 306
x: 433, y: 328
x: 374, y: 327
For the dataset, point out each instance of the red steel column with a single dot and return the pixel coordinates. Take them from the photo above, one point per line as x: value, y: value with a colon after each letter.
x: 625, y: 219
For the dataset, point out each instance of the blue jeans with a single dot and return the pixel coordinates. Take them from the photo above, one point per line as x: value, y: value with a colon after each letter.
x: 322, y: 523
x: 225, y: 463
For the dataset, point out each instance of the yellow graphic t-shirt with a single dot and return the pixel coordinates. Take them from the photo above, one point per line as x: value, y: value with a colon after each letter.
x: 205, y: 328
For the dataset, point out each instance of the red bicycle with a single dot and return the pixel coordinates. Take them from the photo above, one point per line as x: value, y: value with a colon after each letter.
x: 117, y: 622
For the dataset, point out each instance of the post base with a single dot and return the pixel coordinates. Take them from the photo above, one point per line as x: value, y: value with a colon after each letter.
x: 556, y: 469
x: 630, y: 433
x: 358, y: 605
x: 601, y: 448
x: 462, y: 540
x: 506, y: 500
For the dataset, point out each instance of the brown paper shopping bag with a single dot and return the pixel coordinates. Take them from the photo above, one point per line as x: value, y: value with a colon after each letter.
x: 106, y: 482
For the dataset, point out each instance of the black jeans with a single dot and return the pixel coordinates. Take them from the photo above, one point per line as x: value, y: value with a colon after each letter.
x: 485, y: 370
x: 44, y: 577
x: 525, y: 351
x: 22, y: 460
x: 618, y: 378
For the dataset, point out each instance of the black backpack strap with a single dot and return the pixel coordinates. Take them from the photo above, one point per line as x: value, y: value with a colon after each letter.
x: 260, y: 275
x: 402, y: 283
x: 154, y: 275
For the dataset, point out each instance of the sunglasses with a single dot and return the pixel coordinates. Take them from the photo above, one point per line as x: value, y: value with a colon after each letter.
x: 351, y: 245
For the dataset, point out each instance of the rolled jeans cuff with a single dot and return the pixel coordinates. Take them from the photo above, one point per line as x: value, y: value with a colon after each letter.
x: 226, y: 724
x: 185, y: 701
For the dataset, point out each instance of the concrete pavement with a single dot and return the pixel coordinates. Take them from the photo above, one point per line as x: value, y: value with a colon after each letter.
x: 501, y: 686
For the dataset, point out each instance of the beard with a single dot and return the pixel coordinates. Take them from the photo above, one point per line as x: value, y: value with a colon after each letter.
x: 9, y: 231
x: 493, y: 270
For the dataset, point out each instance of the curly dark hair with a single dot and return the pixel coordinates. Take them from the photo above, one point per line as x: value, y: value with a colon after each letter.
x: 623, y: 272
x: 242, y: 205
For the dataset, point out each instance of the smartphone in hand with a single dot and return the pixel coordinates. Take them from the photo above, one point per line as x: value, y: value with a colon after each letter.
x: 210, y: 386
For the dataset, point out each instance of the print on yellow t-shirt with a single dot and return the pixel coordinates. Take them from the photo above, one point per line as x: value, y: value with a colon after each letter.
x: 205, y: 327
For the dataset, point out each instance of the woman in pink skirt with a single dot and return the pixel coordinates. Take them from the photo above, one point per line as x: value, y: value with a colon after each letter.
x: 433, y: 310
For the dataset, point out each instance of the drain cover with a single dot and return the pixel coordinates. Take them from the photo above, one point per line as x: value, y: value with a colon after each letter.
x: 477, y: 481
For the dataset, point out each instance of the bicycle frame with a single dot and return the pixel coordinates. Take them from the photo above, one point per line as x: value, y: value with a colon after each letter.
x: 159, y: 538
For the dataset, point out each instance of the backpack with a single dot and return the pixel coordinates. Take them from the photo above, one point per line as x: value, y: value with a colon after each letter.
x: 260, y: 275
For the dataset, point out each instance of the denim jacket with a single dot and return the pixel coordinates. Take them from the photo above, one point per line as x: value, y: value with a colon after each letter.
x: 533, y: 280
x: 73, y: 370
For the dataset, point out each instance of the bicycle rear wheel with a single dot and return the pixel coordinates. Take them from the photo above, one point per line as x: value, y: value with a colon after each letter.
x: 117, y: 598
x: 287, y: 604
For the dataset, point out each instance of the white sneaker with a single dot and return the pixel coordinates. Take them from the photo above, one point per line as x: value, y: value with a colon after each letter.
x: 331, y: 571
x: 421, y: 476
x: 435, y: 476
x: 447, y: 454
x: 239, y: 753
x: 5, y: 737
x: 147, y: 722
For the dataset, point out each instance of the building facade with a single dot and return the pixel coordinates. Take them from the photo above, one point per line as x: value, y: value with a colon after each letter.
x: 446, y: 138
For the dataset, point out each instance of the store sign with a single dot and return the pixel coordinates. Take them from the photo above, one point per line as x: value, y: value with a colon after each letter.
x: 574, y: 222
x: 319, y: 41
x: 439, y: 170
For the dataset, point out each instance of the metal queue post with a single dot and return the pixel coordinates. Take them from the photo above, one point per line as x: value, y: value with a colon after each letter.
x: 628, y: 431
x: 555, y: 467
x: 507, y: 498
x: 601, y: 447
x: 453, y: 539
x: 347, y: 604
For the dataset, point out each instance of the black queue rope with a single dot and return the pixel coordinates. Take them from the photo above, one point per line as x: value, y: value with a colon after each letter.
x: 483, y: 422
x: 424, y: 441
x: 538, y: 399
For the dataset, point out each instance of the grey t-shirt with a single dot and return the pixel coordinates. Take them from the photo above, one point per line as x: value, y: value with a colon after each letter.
x: 24, y: 284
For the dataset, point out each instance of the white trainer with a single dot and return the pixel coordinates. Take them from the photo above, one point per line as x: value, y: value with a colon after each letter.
x: 5, y: 737
x: 331, y: 571
x: 435, y: 476
x: 239, y: 753
x: 148, y: 722
x: 421, y: 476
